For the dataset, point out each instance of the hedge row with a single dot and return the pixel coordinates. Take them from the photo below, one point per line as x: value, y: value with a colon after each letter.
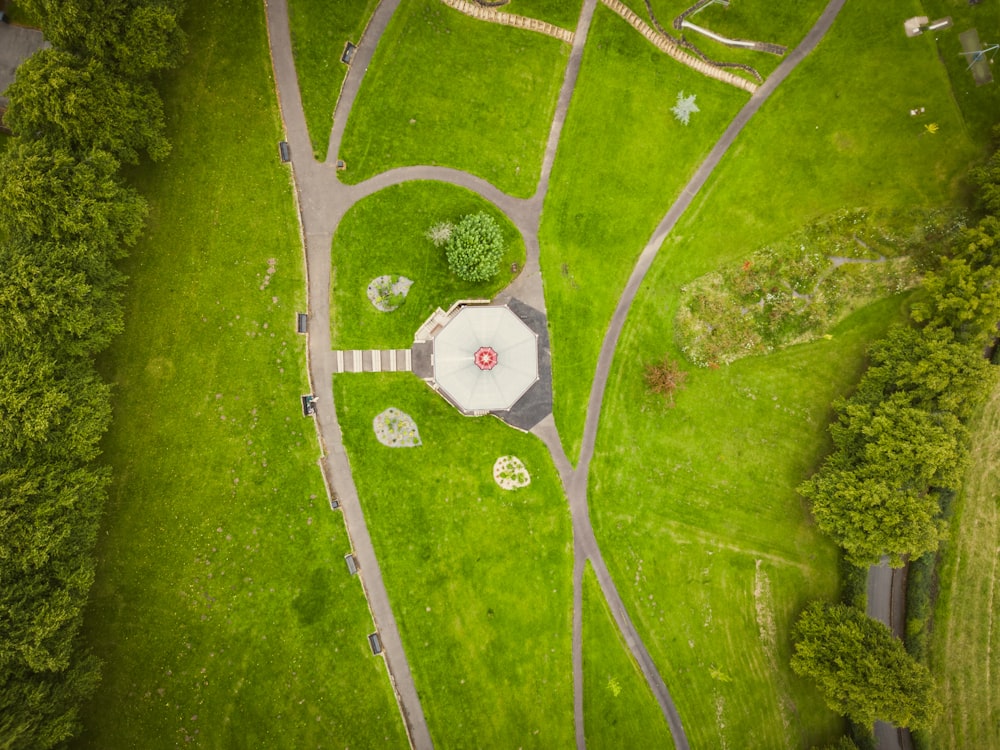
x: 901, y: 447
x: 78, y: 111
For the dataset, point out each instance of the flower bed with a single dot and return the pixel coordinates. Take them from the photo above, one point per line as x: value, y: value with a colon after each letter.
x: 396, y: 429
x: 510, y: 473
x: 796, y: 290
x: 388, y: 292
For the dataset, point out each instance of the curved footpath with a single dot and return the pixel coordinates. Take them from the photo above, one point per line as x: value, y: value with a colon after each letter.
x: 323, y: 201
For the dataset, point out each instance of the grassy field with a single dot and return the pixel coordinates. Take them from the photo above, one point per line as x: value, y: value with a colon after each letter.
x: 965, y: 644
x: 980, y: 105
x: 222, y: 609
x: 622, y: 159
x: 619, y: 709
x: 447, y: 89
x: 564, y: 13
x: 696, y: 510
x: 778, y: 23
x: 386, y: 234
x: 480, y: 578
x: 319, y: 32
x: 713, y: 550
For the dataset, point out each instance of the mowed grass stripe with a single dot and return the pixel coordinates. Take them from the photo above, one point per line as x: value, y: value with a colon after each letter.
x: 965, y: 640
x: 222, y: 609
x: 726, y: 461
x: 622, y: 160
x: 480, y: 579
x: 619, y: 710
x: 711, y: 547
x: 445, y: 89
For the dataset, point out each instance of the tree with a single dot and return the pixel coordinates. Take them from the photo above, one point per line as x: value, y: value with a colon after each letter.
x: 78, y: 104
x: 135, y: 38
x: 934, y: 371
x: 962, y: 298
x: 862, y: 671
x: 665, y: 378
x: 870, y: 517
x: 49, y: 193
x: 475, y: 248
x: 65, y: 296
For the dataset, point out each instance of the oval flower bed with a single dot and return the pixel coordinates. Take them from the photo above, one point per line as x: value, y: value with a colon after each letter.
x: 510, y: 473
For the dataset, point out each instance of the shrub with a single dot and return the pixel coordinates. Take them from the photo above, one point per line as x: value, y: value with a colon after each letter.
x: 440, y: 233
x: 475, y: 248
x: 665, y: 378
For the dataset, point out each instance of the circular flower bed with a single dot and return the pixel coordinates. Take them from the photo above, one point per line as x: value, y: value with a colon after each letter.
x: 509, y: 472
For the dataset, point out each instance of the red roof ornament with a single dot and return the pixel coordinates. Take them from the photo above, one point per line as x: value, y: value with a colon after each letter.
x: 485, y: 358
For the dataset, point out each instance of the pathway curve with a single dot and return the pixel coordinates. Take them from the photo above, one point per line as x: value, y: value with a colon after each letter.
x: 323, y: 201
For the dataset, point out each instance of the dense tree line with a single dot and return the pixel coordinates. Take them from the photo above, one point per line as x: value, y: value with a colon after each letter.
x: 78, y: 110
x: 901, y: 448
x: 901, y: 439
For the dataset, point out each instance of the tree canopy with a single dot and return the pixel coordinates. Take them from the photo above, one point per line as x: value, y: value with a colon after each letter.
x: 475, y: 247
x: 80, y: 105
x: 862, y: 671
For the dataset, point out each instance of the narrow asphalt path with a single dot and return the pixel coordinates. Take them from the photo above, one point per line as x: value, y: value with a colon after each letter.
x: 323, y: 201
x: 886, y: 596
x: 576, y: 481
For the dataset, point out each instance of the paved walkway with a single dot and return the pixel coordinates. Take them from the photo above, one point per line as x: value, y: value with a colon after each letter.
x: 323, y: 201
x: 886, y: 596
x: 372, y: 360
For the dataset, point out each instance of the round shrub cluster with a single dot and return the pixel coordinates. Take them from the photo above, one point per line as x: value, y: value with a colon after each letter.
x: 475, y: 248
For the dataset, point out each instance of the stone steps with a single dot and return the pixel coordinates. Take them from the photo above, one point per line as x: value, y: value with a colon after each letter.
x: 372, y: 360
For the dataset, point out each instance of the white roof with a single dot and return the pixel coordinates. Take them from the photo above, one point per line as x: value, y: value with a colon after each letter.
x: 485, y: 358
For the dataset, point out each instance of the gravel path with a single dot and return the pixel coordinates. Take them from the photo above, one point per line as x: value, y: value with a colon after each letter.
x: 323, y: 201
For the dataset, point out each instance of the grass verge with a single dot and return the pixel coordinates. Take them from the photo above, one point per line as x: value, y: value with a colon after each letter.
x: 562, y: 13
x: 619, y: 710
x: 480, y: 578
x: 320, y: 30
x: 965, y: 644
x: 386, y: 234
x: 445, y: 89
x: 712, y: 548
x: 980, y: 105
x: 622, y: 159
x: 222, y: 608
x: 714, y: 551
x: 777, y: 23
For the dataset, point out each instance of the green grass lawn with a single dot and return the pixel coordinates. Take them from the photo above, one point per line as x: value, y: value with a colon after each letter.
x: 777, y: 23
x: 386, y: 234
x: 449, y: 90
x: 563, y: 13
x: 713, y: 550
x: 619, y: 710
x: 980, y: 105
x: 965, y: 642
x: 622, y: 160
x: 319, y: 32
x: 855, y: 141
x: 480, y: 578
x: 222, y: 608
x: 695, y: 507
